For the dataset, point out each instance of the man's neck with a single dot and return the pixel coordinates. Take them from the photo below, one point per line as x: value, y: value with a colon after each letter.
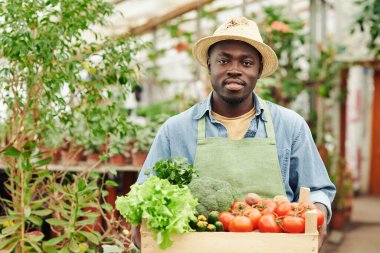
x: 231, y: 110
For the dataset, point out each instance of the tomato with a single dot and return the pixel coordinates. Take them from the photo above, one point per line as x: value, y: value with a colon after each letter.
x: 283, y: 209
x: 225, y: 217
x: 292, y: 224
x: 266, y: 206
x: 240, y: 224
x: 291, y: 213
x: 320, y: 217
x: 254, y: 215
x: 269, y: 224
x: 238, y: 206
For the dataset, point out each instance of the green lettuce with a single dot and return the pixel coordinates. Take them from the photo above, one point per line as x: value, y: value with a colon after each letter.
x: 167, y: 208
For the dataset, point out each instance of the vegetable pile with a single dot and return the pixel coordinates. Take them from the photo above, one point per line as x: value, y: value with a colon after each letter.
x: 173, y: 201
x: 276, y: 215
x: 167, y: 208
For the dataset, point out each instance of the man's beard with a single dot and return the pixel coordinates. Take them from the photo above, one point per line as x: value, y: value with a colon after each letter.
x: 234, y: 101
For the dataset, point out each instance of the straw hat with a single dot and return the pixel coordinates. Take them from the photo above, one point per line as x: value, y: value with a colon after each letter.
x: 238, y: 28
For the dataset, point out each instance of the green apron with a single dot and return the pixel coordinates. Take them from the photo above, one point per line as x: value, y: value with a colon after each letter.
x: 249, y: 165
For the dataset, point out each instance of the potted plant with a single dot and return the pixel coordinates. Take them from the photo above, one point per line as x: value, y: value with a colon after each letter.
x: 92, y: 151
x: 120, y: 150
x: 142, y: 141
x: 43, y: 90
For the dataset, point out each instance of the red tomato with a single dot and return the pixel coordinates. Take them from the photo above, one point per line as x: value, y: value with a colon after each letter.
x: 293, y: 224
x: 266, y: 206
x: 225, y: 218
x: 254, y: 215
x: 269, y: 224
x: 320, y: 217
x: 291, y: 213
x: 238, y: 206
x: 240, y: 224
x: 283, y: 209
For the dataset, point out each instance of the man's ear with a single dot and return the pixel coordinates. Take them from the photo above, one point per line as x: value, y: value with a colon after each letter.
x: 261, y: 69
x: 208, y: 65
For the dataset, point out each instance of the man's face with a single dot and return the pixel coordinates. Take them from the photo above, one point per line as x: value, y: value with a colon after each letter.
x: 234, y: 67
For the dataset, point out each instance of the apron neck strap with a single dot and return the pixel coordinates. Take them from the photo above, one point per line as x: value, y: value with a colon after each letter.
x: 268, y: 117
x: 202, y: 129
x: 268, y: 124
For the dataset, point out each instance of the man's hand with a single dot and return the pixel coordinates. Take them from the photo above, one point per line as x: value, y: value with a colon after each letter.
x: 136, y: 236
x: 323, y: 229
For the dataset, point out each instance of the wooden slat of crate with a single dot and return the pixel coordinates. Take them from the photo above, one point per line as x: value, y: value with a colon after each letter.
x: 228, y: 242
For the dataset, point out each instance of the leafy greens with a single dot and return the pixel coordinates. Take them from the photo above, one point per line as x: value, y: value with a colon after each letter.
x: 167, y: 208
x: 178, y: 171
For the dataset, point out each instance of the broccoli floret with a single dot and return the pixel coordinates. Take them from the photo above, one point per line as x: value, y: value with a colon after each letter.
x: 212, y: 194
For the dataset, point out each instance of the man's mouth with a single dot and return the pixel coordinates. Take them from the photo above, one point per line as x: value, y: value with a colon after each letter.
x: 234, y: 85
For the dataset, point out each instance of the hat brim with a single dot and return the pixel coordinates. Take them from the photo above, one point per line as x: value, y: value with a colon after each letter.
x: 270, y: 61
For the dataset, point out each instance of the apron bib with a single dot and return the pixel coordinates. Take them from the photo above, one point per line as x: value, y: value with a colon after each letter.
x: 249, y: 165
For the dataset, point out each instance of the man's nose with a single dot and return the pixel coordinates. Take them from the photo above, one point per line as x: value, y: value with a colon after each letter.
x: 234, y: 69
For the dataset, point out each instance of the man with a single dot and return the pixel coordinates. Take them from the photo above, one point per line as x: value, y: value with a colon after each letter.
x: 234, y: 135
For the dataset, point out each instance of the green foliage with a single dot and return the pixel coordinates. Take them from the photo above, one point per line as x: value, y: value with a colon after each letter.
x: 167, y: 208
x: 177, y: 171
x: 28, y: 205
x: 76, y: 209
x: 212, y: 194
x: 284, y: 34
x: 169, y: 107
x: 368, y: 20
x: 325, y: 73
x: 58, y: 89
x: 144, y: 134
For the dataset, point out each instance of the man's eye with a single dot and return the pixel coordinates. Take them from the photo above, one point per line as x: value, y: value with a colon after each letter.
x: 222, y: 61
x: 247, y: 63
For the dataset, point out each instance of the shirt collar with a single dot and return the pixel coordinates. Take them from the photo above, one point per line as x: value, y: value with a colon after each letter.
x: 205, y: 107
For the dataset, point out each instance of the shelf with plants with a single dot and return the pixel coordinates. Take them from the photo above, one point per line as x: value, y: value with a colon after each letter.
x: 58, y: 90
x: 83, y: 166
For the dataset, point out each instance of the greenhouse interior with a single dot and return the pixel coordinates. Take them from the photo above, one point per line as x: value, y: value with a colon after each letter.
x: 98, y: 100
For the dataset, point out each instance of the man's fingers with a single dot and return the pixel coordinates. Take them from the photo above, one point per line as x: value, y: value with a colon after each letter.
x: 136, y: 236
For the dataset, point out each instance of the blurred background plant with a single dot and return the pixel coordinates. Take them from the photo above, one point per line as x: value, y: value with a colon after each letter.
x: 52, y: 81
x: 287, y: 37
x: 367, y: 21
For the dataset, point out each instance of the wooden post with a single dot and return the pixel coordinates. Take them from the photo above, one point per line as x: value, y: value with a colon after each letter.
x: 311, y: 222
x: 375, y: 147
x: 304, y: 195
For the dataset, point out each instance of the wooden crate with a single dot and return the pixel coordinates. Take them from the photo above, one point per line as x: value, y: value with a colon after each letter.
x: 252, y: 242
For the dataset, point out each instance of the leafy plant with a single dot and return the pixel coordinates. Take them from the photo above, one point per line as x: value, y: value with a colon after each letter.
x: 53, y: 79
x: 75, y: 209
x: 145, y: 134
x: 167, y: 208
x: 177, y: 171
x: 368, y: 20
x: 119, y: 145
x: 284, y: 34
x: 27, y: 205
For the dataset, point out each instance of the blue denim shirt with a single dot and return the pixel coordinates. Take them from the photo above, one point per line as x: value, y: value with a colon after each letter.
x: 300, y: 162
